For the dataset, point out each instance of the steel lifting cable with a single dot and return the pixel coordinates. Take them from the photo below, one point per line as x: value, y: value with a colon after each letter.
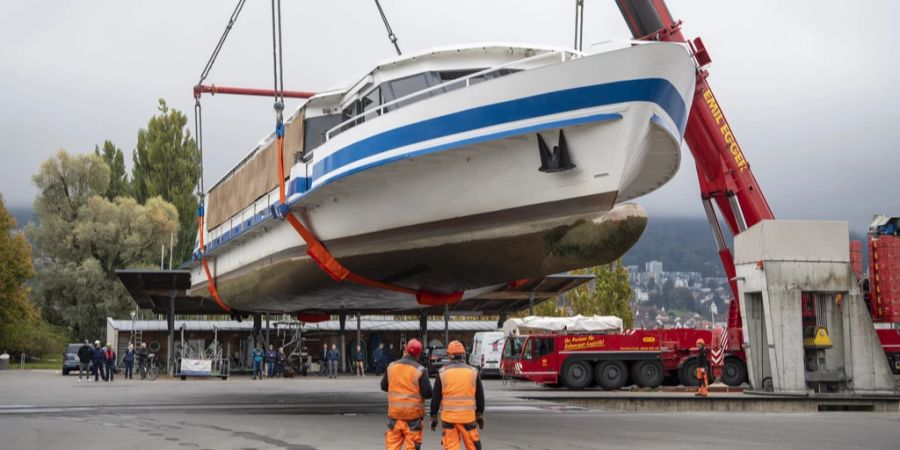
x: 390, y: 32
x: 579, y: 24
x: 198, y: 126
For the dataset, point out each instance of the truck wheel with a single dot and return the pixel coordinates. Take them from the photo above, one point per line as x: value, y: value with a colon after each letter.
x: 733, y: 371
x: 688, y: 373
x: 648, y: 373
x: 611, y: 375
x: 576, y: 375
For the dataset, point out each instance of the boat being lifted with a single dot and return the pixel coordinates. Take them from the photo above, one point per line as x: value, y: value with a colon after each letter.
x: 455, y: 170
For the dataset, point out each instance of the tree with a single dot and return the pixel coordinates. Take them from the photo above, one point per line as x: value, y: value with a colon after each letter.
x: 683, y: 299
x: 21, y: 326
x: 115, y: 160
x: 167, y: 164
x: 86, y: 237
x: 609, y: 294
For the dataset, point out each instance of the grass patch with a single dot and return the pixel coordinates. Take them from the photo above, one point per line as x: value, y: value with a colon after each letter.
x: 43, y: 363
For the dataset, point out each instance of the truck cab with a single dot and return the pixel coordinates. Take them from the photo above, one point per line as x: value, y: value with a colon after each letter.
x: 532, y: 358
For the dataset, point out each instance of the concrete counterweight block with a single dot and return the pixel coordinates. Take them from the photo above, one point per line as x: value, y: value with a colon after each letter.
x: 778, y: 263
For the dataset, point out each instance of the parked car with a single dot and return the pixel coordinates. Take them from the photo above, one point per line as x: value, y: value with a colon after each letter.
x: 487, y: 347
x: 70, y: 358
x: 435, y: 358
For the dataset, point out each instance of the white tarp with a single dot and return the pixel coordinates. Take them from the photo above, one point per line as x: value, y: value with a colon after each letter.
x: 537, y: 324
x: 201, y: 367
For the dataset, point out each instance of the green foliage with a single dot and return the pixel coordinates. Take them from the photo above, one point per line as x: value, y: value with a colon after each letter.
x: 609, y: 294
x: 85, y: 238
x: 118, y: 178
x: 21, y: 326
x: 167, y: 164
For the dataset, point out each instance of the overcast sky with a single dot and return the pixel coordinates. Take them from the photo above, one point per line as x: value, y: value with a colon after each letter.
x: 810, y: 87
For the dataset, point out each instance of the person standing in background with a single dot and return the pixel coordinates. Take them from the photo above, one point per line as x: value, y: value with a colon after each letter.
x: 333, y: 357
x: 378, y: 358
x: 279, y: 362
x: 270, y: 361
x: 258, y: 356
x: 702, y: 369
x: 389, y: 355
x: 143, y: 357
x: 128, y: 359
x: 358, y: 359
x: 109, y: 361
x: 323, y: 360
x: 97, y: 362
x: 84, y: 360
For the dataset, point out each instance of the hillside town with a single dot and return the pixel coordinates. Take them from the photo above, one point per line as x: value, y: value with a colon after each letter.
x: 677, y: 299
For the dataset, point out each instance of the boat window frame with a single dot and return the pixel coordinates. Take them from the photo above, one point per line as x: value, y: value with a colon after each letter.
x: 360, y: 117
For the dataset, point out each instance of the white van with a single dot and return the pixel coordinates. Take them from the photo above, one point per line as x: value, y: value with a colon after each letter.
x: 486, y: 350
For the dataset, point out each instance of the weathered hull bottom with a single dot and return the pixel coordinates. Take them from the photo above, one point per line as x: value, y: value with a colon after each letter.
x: 291, y: 282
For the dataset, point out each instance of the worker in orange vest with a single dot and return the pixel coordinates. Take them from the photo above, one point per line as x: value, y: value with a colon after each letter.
x: 407, y: 386
x: 702, y: 369
x: 459, y: 396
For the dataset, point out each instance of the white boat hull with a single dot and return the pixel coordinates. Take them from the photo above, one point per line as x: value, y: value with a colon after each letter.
x: 446, y: 204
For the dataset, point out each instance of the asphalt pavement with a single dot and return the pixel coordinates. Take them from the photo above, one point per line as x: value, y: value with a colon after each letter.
x: 44, y: 410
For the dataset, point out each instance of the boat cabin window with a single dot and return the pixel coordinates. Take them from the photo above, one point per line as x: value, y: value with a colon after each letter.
x: 372, y: 100
x: 543, y: 346
x: 314, y: 129
x: 401, y: 87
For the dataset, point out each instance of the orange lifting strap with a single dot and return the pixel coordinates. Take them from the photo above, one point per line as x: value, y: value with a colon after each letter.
x: 326, y: 261
x: 211, y: 283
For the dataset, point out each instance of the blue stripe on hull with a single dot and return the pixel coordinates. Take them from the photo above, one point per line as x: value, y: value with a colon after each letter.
x: 654, y: 90
x: 475, y: 140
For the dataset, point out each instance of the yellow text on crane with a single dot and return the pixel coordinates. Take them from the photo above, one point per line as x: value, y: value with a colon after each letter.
x: 725, y: 130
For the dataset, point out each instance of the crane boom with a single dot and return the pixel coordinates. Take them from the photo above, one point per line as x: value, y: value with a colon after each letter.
x: 722, y: 169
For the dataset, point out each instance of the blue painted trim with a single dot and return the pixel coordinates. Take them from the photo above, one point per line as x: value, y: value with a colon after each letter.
x: 654, y: 90
x: 487, y: 137
x: 666, y: 126
x: 298, y: 185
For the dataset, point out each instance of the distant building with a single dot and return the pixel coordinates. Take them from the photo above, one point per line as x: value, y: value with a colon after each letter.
x: 654, y: 267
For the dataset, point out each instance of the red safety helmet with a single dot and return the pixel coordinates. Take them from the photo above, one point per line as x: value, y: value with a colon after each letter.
x: 414, y: 347
x: 700, y: 342
x: 456, y: 348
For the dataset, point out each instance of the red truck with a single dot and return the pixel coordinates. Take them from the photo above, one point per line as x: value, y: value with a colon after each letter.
x: 649, y: 358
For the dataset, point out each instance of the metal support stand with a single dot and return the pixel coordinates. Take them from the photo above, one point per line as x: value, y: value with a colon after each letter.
x: 358, y: 331
x: 446, y: 325
x: 531, y: 303
x: 170, y: 327
x: 257, y: 329
x: 423, y: 327
x: 268, y: 322
x: 343, y: 321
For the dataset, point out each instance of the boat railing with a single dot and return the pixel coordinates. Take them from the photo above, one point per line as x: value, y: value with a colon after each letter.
x: 467, y: 80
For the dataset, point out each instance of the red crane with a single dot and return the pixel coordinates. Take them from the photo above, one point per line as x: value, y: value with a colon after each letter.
x: 722, y: 170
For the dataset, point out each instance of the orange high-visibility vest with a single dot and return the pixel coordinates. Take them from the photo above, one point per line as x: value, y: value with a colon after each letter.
x: 458, y: 384
x: 404, y: 399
